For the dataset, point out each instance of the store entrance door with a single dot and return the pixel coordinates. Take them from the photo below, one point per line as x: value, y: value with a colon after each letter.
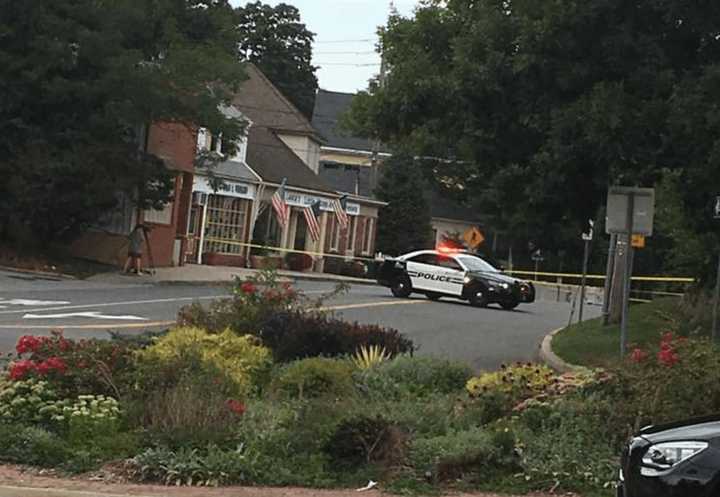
x: 301, y: 232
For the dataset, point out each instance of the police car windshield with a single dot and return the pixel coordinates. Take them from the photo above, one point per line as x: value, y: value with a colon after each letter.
x: 476, y: 264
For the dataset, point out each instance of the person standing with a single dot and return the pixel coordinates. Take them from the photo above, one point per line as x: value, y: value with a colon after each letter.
x: 138, y: 236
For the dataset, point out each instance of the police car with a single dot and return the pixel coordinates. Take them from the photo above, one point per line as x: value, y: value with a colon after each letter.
x: 439, y: 273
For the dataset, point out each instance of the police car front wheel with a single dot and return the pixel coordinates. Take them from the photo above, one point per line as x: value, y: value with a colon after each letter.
x: 478, y: 298
x: 401, y: 287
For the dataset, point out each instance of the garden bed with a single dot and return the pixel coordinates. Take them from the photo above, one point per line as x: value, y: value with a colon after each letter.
x: 593, y: 345
x: 265, y: 389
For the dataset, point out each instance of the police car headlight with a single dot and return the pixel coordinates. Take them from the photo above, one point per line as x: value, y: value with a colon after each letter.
x: 467, y: 279
x: 664, y: 456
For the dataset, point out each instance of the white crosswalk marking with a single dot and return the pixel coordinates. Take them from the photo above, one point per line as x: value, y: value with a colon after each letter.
x: 30, y: 302
x: 94, y: 315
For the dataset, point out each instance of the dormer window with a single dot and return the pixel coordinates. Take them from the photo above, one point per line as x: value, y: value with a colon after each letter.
x: 208, y: 141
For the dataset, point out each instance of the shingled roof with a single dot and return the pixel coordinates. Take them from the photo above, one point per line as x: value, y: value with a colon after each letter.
x: 272, y: 160
x: 327, y: 114
x: 263, y: 103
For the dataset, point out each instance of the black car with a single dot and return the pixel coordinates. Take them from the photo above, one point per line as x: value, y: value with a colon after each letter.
x: 673, y: 460
x: 453, y: 274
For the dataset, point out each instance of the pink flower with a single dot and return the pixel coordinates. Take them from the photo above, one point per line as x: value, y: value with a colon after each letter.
x: 248, y: 287
x: 638, y: 355
x: 20, y: 369
x: 236, y: 406
x: 57, y: 364
x: 668, y: 357
x: 27, y: 343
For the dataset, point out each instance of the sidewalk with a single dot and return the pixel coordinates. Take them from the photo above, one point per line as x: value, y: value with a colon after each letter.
x: 199, y: 274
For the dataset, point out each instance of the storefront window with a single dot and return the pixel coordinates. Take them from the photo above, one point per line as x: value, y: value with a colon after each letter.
x: 225, y: 224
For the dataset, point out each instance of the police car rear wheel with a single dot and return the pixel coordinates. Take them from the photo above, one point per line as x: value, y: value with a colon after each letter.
x: 401, y: 287
x: 478, y: 298
x: 433, y: 296
x: 509, y: 305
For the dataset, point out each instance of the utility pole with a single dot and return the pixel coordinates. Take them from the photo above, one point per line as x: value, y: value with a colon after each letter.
x: 587, y: 238
x: 717, y: 282
x: 374, y: 160
x: 627, y: 274
x: 608, y: 278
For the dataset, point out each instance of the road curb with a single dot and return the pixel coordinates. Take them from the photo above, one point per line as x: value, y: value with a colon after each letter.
x: 553, y: 360
x: 282, y: 278
x: 44, y: 274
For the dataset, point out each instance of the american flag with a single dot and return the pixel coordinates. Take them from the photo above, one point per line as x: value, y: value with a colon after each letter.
x: 312, y: 212
x: 282, y: 210
x: 339, y: 208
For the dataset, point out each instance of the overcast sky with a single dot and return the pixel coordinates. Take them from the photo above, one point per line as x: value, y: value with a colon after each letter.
x: 344, y: 37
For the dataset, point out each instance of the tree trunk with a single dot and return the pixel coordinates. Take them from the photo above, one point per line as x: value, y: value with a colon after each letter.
x: 617, y: 287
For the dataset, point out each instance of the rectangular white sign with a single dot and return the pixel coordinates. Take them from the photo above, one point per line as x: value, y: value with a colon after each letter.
x: 227, y: 188
x: 303, y: 200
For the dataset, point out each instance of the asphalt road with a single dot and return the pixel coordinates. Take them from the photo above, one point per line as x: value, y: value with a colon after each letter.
x: 484, y: 338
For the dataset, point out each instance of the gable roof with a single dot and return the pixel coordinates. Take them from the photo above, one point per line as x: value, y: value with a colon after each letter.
x: 345, y: 178
x: 263, y: 103
x: 327, y: 114
x: 272, y: 160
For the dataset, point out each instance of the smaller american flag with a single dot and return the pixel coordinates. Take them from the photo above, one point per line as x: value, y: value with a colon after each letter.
x: 312, y: 212
x: 282, y: 210
x: 339, y: 207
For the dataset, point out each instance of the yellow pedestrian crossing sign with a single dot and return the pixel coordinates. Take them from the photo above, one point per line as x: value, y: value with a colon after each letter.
x: 473, y: 237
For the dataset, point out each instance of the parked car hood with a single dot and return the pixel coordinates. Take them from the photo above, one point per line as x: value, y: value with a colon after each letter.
x: 704, y: 429
x: 495, y: 277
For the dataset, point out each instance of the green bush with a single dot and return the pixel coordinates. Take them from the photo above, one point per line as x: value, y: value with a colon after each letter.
x: 475, y: 454
x: 296, y: 335
x: 314, y: 377
x: 28, y: 401
x: 238, y: 359
x: 565, y: 446
x: 212, y: 466
x: 31, y: 445
x: 364, y: 440
x: 414, y: 377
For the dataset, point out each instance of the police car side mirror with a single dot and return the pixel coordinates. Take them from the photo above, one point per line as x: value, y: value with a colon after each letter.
x: 501, y: 268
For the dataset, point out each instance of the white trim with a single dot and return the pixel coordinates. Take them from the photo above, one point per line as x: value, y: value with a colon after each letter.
x: 353, y: 151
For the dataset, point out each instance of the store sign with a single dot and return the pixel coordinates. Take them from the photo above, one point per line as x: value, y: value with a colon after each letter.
x: 303, y: 200
x: 227, y: 188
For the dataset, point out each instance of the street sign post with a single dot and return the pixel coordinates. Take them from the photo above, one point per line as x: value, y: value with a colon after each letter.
x: 538, y: 258
x: 587, y: 238
x: 630, y: 211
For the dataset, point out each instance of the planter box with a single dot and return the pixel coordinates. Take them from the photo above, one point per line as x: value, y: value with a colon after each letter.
x: 215, y: 259
x: 299, y: 262
x: 266, y: 262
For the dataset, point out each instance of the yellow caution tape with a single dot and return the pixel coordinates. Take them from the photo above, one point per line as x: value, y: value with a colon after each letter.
x: 526, y: 273
x: 602, y: 276
x: 285, y: 250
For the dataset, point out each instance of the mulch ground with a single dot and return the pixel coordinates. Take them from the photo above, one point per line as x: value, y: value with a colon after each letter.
x: 18, y: 476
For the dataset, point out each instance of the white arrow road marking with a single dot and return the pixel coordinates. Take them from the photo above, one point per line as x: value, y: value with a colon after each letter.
x: 95, y: 315
x: 29, y: 302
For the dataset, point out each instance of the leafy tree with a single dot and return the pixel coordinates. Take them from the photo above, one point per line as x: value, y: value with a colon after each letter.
x: 404, y: 224
x: 79, y: 82
x: 546, y: 104
x: 277, y: 41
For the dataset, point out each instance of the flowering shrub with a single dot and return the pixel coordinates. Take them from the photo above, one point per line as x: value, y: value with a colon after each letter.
x: 519, y: 381
x: 678, y: 379
x: 240, y: 359
x: 73, y: 367
x: 28, y: 401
